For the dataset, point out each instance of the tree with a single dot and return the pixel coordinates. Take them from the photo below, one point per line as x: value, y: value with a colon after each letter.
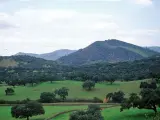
x: 117, y: 97
x: 111, y: 80
x: 88, y: 85
x: 92, y: 113
x: 149, y: 99
x: 62, y: 92
x: 47, y: 97
x: 151, y: 85
x: 28, y: 110
x: 9, y: 91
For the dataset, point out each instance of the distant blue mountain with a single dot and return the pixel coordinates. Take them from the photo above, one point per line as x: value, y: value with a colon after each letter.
x: 50, y: 56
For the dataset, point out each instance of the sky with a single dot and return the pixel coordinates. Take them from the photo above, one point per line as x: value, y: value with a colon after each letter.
x: 41, y: 26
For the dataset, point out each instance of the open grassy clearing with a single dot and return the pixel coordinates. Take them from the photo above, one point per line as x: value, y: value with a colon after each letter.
x: 115, y: 114
x: 5, y: 112
x: 75, y: 90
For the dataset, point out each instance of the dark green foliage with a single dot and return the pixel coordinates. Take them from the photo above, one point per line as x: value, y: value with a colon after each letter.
x: 151, y: 85
x: 9, y: 91
x: 15, y: 102
x: 117, y: 97
x: 88, y: 85
x: 148, y: 98
x: 127, y: 71
x: 43, y: 70
x: 47, y: 97
x: 109, y: 96
x: 111, y: 80
x: 93, y: 113
x: 62, y: 92
x: 27, y: 110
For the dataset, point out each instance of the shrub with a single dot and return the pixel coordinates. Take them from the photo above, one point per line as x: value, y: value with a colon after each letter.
x: 47, y: 97
x: 92, y: 113
x: 9, y: 91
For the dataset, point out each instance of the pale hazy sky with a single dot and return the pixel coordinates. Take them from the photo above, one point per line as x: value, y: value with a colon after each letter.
x: 40, y: 26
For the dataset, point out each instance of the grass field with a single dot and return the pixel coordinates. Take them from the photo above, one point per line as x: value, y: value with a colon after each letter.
x: 75, y: 90
x: 109, y: 113
x: 5, y: 112
x: 115, y: 114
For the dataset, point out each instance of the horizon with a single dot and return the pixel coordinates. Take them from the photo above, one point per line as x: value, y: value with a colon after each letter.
x: 37, y: 26
x: 72, y: 49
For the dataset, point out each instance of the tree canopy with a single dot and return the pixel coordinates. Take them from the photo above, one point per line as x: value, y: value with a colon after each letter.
x: 27, y: 110
x: 88, y: 85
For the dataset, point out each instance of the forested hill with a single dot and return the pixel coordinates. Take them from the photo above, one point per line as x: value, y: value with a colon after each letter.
x: 133, y: 70
x: 109, y: 50
x: 26, y: 67
x: 24, y: 61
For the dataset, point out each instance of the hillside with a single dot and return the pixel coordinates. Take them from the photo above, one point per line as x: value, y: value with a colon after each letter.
x: 109, y: 50
x: 24, y: 61
x: 154, y: 48
x: 50, y: 56
x: 99, y: 71
x: 131, y: 70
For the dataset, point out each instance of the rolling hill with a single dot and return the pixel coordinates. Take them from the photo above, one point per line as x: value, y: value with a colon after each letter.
x: 108, y: 50
x: 50, y: 56
x: 24, y: 61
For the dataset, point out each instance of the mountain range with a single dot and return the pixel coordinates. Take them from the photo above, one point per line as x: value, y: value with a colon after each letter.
x: 50, y: 56
x: 108, y: 50
x: 155, y: 48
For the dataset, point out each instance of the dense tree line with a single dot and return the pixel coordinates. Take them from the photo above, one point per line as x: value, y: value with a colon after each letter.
x: 43, y: 70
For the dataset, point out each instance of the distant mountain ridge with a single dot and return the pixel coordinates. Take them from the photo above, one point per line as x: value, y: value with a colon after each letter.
x: 50, y: 56
x: 108, y: 50
x: 155, y: 48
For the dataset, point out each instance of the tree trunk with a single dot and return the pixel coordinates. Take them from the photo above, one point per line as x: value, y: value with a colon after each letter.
x: 27, y: 118
x: 155, y: 109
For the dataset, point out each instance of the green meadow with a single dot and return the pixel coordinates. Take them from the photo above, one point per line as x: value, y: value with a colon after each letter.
x: 75, y: 90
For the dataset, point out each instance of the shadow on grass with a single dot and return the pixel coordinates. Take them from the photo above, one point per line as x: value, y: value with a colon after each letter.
x: 38, y: 119
x: 108, y: 84
x: 138, y: 116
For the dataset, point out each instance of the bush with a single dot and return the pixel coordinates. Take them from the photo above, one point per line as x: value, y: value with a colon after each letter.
x: 9, y: 91
x: 15, y: 102
x: 47, y: 97
x: 92, y: 113
x: 56, y: 100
